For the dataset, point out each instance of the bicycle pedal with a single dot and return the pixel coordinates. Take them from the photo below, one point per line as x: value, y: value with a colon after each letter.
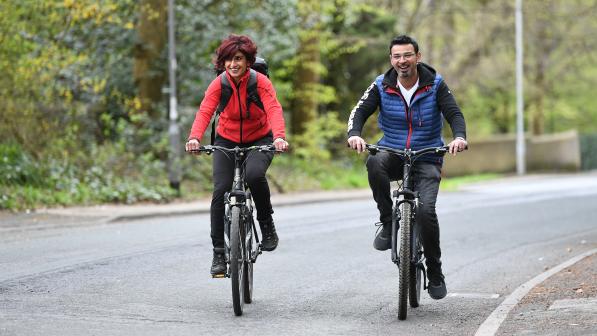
x: 219, y: 276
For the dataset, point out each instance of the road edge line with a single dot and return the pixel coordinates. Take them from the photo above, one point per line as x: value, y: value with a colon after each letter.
x: 490, y: 326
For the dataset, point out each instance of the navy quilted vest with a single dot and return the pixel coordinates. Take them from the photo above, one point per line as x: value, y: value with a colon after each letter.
x: 421, y: 128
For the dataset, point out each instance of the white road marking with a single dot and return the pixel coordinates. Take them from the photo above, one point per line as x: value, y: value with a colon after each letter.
x: 471, y: 295
x: 583, y: 304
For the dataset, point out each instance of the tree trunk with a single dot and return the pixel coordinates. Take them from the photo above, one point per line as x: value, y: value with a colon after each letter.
x: 306, y: 79
x: 149, y: 72
x: 538, y: 117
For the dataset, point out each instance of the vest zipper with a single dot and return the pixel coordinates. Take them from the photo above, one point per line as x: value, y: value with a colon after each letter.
x: 408, y: 120
x: 409, y: 113
x: 420, y: 90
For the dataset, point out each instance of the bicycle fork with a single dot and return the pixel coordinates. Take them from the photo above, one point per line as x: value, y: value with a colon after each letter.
x: 417, y: 258
x: 401, y: 196
x: 251, y: 229
x: 245, y: 202
x: 231, y: 199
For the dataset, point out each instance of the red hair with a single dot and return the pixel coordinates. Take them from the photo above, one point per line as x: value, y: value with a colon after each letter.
x: 230, y: 46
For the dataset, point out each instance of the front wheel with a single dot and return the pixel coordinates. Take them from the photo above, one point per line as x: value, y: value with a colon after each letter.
x: 237, y: 260
x: 404, y: 257
x: 416, y: 270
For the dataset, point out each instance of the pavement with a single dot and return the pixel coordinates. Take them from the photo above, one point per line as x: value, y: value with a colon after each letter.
x: 560, y: 301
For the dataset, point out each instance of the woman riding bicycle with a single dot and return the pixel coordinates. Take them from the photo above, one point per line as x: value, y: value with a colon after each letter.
x: 239, y: 127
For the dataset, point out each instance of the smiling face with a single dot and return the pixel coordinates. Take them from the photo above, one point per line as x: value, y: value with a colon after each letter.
x: 404, y: 59
x: 236, y: 66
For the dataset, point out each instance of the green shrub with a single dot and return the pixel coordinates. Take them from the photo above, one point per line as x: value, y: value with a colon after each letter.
x: 102, y: 174
x: 18, y: 168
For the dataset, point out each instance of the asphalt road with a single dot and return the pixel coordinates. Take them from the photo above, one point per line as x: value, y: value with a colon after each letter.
x: 151, y: 276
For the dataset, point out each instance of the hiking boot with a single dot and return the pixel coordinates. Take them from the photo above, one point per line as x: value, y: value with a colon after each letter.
x: 383, y: 239
x: 218, y: 265
x: 269, y: 240
x: 437, y: 286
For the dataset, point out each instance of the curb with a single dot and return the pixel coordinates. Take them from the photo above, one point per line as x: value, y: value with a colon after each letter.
x: 118, y: 213
x: 285, y: 200
x: 491, y: 325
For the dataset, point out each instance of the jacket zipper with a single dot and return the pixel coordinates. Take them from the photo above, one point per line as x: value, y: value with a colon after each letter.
x: 240, y: 110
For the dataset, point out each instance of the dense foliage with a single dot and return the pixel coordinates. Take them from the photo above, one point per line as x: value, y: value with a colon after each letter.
x: 83, y: 84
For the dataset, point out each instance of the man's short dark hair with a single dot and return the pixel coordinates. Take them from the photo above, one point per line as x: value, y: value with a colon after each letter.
x: 404, y: 39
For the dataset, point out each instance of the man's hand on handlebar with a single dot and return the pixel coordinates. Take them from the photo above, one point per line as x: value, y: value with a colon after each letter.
x: 357, y: 143
x: 457, y: 145
x: 192, y: 146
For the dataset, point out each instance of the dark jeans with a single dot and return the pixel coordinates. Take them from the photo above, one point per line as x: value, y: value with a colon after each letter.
x: 223, y: 175
x: 383, y: 168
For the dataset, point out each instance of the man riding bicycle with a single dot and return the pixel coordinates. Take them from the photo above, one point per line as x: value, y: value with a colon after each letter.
x: 412, y: 98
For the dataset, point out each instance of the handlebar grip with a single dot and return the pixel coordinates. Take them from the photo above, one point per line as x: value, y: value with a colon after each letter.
x: 208, y: 149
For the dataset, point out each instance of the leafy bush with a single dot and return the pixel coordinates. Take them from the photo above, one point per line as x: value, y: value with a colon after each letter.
x: 106, y: 173
x: 18, y: 168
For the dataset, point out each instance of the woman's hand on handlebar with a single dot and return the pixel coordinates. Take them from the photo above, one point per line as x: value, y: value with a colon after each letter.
x: 457, y: 145
x: 281, y: 144
x: 192, y: 146
x: 357, y: 143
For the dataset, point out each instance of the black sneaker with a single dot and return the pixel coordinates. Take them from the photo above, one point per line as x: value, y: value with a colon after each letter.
x: 269, y: 240
x: 218, y: 265
x: 437, y: 286
x: 383, y: 239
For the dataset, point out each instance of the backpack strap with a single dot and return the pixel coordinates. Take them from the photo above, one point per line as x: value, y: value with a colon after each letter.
x: 225, y: 94
x: 252, y: 95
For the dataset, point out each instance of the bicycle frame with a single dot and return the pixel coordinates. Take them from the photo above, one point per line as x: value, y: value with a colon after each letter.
x: 240, y: 197
x: 401, y: 195
x: 406, y: 192
x: 239, y: 228
x: 410, y: 259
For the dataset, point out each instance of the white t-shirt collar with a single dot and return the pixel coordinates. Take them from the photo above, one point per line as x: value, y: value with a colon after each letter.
x: 407, y: 94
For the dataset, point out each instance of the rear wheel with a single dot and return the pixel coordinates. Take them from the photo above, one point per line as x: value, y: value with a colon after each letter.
x: 404, y: 257
x: 248, y: 268
x: 236, y: 261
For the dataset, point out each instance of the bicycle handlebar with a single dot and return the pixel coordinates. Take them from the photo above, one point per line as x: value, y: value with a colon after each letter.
x: 208, y: 149
x: 373, y: 149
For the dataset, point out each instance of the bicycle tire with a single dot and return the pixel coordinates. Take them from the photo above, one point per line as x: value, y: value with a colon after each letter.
x: 236, y: 260
x: 416, y: 270
x: 248, y: 266
x: 404, y: 257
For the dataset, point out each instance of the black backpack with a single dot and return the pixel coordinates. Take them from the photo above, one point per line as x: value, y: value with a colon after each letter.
x: 252, y: 95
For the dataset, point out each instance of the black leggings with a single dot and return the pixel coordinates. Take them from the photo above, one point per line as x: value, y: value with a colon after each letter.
x: 223, y: 175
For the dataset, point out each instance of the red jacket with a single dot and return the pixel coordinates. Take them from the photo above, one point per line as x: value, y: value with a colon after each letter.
x: 233, y: 123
